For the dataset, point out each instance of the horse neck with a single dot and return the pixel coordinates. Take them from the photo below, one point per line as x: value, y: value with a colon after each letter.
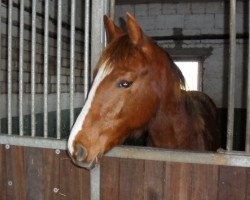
x: 170, y: 125
x: 167, y: 129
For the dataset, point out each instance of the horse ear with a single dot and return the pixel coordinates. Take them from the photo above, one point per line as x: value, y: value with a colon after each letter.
x: 112, y: 30
x: 134, y: 30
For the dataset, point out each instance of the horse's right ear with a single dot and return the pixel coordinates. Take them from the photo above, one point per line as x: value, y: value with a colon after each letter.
x: 112, y: 30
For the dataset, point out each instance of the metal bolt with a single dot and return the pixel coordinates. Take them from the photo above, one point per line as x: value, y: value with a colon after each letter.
x: 7, y: 146
x: 57, y: 151
x: 9, y: 183
x: 55, y: 190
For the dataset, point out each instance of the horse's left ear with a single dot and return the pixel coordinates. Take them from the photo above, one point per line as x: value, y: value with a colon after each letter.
x: 112, y: 30
x: 134, y: 30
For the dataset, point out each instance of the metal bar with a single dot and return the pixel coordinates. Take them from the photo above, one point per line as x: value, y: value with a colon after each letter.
x: 210, y: 158
x: 33, y: 68
x: 98, y: 42
x: 112, y: 9
x: 72, y: 62
x: 21, y: 67
x: 46, y: 54
x: 248, y: 88
x: 10, y: 6
x: 106, y: 11
x: 97, y: 30
x: 232, y: 52
x: 95, y: 183
x: 38, y: 142
x: 86, y: 48
x: 58, y: 90
x: 0, y: 46
x: 239, y: 159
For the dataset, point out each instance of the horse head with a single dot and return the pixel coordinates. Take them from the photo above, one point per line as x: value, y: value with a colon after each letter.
x: 124, y: 96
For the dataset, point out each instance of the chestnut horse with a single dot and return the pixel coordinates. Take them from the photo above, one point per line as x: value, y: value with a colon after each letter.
x: 138, y: 87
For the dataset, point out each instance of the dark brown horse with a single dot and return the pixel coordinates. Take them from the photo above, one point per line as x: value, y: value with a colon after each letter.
x: 137, y: 87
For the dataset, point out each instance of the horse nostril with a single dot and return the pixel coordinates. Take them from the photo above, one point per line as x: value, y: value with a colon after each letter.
x: 81, y: 153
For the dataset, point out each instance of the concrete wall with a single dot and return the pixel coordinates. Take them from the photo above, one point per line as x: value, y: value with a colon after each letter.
x: 198, y: 18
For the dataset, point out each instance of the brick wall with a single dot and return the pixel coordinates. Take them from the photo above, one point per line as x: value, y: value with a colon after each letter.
x: 65, y: 79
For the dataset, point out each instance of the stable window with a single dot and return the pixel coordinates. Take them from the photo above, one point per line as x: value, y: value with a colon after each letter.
x: 191, y: 72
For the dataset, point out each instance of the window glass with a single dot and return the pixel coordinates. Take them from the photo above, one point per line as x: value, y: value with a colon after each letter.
x: 190, y: 70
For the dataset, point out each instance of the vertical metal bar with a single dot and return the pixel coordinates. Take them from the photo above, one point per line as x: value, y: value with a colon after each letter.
x: 86, y: 48
x: 58, y: 91
x: 232, y: 51
x: 33, y: 68
x: 248, y: 88
x: 112, y: 9
x: 72, y: 62
x: 97, y: 30
x: 97, y: 45
x: 106, y: 11
x: 21, y: 68
x: 10, y: 6
x: 0, y: 45
x: 95, y: 183
x: 46, y: 53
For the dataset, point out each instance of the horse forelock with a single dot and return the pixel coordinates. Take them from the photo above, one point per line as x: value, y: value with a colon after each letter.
x: 120, y: 53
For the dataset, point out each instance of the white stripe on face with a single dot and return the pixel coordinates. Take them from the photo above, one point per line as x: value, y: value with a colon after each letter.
x: 102, y: 73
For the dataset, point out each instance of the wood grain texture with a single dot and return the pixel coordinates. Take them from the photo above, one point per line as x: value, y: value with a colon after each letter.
x: 71, y: 179
x: 51, y: 169
x: 3, y: 180
x: 86, y: 184
x: 110, y: 175
x: 34, y: 179
x: 33, y: 173
x: 248, y: 184
x: 14, y: 173
x: 153, y: 180
x: 204, y: 182
x: 232, y: 183
x: 131, y: 184
x: 178, y: 180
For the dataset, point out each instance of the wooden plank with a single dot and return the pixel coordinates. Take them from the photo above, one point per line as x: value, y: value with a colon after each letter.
x: 167, y: 193
x: 34, y: 167
x: 51, y: 161
x: 153, y: 180
x: 232, y: 183
x: 248, y: 184
x: 85, y: 184
x: 71, y: 179
x: 110, y: 168
x: 3, y: 181
x: 14, y: 173
x: 131, y: 184
x: 204, y: 182
x: 178, y: 180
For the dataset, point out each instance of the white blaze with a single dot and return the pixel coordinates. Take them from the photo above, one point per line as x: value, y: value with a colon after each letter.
x: 102, y: 73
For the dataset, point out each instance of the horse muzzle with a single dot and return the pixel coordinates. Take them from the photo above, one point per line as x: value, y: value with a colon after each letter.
x: 80, y: 156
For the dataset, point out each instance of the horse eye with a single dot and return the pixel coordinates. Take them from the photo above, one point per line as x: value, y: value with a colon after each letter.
x: 124, y: 84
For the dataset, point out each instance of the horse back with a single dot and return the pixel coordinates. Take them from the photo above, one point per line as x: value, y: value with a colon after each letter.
x: 203, y: 114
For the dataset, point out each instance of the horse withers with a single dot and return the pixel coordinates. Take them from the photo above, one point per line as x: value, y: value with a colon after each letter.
x: 138, y: 87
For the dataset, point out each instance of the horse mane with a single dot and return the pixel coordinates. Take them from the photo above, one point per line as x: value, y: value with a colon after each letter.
x: 178, y: 72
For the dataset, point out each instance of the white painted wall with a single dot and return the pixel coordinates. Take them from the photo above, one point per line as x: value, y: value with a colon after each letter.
x: 194, y: 19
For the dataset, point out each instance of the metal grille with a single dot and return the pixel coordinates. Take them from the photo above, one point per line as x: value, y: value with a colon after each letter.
x: 33, y: 70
